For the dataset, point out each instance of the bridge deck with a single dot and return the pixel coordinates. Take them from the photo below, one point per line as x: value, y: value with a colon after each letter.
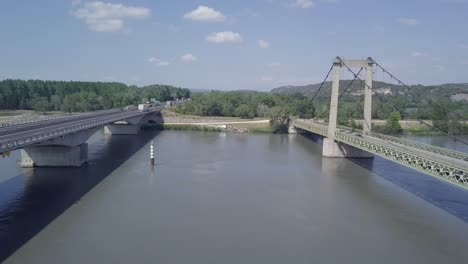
x: 19, y: 136
x: 444, y: 164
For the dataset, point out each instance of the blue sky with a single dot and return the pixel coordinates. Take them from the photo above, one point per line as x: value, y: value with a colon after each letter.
x: 228, y: 45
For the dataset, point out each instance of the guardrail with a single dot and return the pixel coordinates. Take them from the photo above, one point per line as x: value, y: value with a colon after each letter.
x: 19, y: 121
x: 9, y: 145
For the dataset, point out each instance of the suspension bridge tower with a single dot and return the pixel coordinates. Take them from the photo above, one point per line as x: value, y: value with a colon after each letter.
x: 334, y: 149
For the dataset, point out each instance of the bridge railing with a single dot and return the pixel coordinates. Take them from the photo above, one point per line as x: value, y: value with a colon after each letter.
x: 429, y: 165
x: 21, y: 142
x: 434, y: 149
x: 20, y: 121
x: 311, y: 126
x: 414, y: 144
x: 439, y: 169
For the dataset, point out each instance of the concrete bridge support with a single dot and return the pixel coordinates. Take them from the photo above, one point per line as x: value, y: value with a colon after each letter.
x: 67, y: 151
x: 331, y: 148
x: 122, y: 129
x: 126, y: 127
x: 54, y: 156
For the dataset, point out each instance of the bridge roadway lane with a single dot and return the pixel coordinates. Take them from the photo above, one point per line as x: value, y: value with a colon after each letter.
x: 44, y: 127
x: 44, y: 123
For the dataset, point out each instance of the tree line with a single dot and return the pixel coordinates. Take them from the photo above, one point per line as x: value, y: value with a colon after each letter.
x: 277, y: 107
x: 80, y: 96
x: 280, y: 107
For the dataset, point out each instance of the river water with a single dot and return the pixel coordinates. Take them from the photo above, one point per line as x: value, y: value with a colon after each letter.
x: 228, y: 198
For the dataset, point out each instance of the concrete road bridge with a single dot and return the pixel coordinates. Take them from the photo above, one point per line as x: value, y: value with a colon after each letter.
x: 343, y: 142
x: 62, y: 142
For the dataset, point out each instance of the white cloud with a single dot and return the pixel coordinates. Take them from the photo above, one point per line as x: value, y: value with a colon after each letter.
x: 263, y: 44
x: 188, y: 58
x: 408, y: 21
x: 274, y: 64
x: 224, y: 37
x: 158, y: 62
x: 439, y: 68
x: 304, y: 3
x: 108, y: 17
x: 205, y: 14
x: 419, y: 54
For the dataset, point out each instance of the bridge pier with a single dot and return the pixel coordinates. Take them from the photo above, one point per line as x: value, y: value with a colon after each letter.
x: 54, y: 156
x: 291, y: 128
x: 122, y: 129
x: 126, y: 127
x: 66, y: 151
x: 334, y: 149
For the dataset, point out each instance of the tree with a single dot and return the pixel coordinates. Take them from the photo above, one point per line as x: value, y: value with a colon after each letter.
x: 393, y: 123
x: 85, y: 96
x: 243, y: 111
x: 40, y: 104
x: 279, y: 119
x: 440, y: 118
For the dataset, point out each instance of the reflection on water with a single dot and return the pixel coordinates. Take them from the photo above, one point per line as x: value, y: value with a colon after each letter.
x: 32, y: 199
x: 228, y: 198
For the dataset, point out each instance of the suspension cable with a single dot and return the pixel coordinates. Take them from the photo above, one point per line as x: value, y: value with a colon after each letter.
x: 321, y: 85
x: 351, y: 83
x: 402, y: 111
x: 408, y: 87
x: 344, y: 91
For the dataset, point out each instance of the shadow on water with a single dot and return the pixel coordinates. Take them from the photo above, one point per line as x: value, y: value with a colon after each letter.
x: 37, y: 196
x: 446, y: 196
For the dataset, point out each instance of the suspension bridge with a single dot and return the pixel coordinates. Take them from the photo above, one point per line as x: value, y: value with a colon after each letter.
x: 343, y: 142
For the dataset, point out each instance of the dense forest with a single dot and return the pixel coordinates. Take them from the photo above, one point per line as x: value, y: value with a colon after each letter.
x: 80, y: 96
x: 249, y: 105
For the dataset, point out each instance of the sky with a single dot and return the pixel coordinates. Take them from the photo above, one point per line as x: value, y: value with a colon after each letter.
x: 231, y: 45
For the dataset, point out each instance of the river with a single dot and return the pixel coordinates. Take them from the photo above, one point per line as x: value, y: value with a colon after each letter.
x: 228, y: 198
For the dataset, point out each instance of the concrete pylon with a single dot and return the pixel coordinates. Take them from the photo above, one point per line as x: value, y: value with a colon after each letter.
x: 334, y: 100
x: 367, y: 127
x: 332, y: 148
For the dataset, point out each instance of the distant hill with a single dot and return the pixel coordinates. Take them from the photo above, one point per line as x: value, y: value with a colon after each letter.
x: 452, y: 91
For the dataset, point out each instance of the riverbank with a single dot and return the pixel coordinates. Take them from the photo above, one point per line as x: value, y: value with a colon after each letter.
x: 173, y: 121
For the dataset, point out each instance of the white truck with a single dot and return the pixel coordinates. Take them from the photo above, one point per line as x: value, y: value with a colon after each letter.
x: 143, y: 107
